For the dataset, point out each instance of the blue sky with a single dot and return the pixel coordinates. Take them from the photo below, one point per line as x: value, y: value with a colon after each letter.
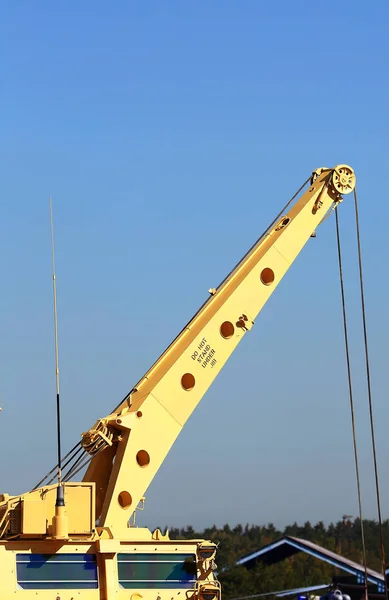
x: 169, y: 135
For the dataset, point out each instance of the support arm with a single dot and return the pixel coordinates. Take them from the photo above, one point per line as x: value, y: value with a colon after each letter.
x: 130, y: 444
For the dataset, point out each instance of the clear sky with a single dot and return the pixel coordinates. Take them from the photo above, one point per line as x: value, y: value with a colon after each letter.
x: 169, y: 135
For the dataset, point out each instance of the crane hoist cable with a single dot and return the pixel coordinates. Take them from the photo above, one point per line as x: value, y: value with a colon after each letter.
x: 78, y: 466
x: 72, y: 453
x: 368, y: 380
x: 351, y: 397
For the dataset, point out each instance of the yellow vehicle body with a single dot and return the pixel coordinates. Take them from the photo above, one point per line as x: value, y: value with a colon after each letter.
x: 87, y: 545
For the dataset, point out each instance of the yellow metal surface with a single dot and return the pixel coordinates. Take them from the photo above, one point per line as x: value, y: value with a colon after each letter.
x: 80, y: 508
x: 60, y: 524
x: 33, y: 513
x: 152, y: 416
x: 33, y: 517
x: 107, y: 552
x: 129, y: 445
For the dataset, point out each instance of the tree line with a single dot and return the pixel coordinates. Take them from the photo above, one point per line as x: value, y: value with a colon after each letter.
x: 343, y: 537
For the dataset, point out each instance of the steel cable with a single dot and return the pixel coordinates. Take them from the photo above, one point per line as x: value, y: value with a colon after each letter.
x: 361, y: 283
x: 351, y: 398
x: 72, y: 452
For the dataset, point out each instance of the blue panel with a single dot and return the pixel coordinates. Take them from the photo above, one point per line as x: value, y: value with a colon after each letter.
x: 76, y: 558
x: 56, y: 571
x: 162, y: 571
x: 154, y: 557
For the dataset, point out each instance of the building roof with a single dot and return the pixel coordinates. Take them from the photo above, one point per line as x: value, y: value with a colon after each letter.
x: 291, y: 592
x: 302, y: 590
x: 288, y: 546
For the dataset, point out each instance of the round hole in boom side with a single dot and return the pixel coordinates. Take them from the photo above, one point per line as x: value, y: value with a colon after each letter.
x: 267, y: 276
x: 227, y: 330
x: 188, y: 381
x: 143, y: 458
x: 125, y: 500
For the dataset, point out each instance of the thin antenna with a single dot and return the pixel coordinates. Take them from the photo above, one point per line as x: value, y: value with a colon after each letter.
x: 56, y: 346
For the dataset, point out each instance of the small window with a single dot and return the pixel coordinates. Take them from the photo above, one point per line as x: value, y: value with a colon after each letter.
x: 56, y: 571
x: 162, y: 571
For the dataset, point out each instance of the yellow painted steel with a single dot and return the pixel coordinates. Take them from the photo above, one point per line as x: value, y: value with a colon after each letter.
x: 129, y: 445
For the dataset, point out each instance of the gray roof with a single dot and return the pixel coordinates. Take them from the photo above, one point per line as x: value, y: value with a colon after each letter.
x: 288, y: 545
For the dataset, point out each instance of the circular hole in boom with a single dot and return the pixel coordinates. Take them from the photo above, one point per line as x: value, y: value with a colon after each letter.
x: 267, y: 276
x: 143, y: 458
x: 188, y: 381
x: 125, y: 500
x: 227, y: 329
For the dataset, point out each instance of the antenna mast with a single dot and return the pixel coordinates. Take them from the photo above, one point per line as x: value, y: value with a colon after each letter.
x: 60, y: 520
x: 56, y: 346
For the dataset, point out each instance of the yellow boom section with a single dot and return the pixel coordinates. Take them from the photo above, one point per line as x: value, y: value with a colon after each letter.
x: 130, y: 444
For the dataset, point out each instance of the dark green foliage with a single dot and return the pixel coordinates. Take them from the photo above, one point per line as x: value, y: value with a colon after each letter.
x: 343, y: 538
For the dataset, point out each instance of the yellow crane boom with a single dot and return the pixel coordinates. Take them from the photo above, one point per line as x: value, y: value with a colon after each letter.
x: 129, y: 445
